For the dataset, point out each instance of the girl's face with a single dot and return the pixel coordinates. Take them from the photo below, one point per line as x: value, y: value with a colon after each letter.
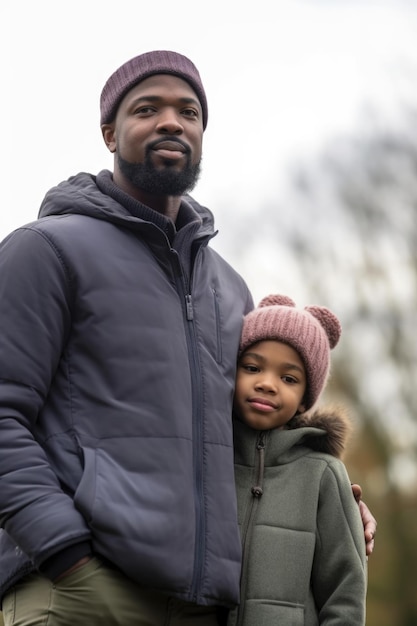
x: 270, y: 385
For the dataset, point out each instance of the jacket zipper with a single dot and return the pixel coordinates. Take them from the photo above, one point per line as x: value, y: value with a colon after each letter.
x: 184, y: 288
x: 255, y: 496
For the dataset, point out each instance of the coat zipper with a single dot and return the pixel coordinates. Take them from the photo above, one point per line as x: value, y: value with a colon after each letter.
x: 184, y: 288
x: 255, y: 496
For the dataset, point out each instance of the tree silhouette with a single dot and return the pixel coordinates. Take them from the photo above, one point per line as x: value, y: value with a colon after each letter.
x: 344, y: 234
x: 351, y: 234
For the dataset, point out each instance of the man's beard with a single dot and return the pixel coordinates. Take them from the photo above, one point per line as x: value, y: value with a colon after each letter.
x: 161, y: 182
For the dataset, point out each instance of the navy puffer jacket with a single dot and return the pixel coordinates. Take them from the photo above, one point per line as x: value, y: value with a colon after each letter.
x: 117, y: 369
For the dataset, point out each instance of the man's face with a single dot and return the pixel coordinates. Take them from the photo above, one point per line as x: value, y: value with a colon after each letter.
x: 157, y: 137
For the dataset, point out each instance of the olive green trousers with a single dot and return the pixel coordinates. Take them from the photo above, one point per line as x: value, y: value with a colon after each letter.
x: 97, y: 595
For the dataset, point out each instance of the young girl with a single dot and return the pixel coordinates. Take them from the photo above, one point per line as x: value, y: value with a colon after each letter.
x: 304, y: 560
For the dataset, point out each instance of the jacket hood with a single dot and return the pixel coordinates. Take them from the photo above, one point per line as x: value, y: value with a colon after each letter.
x: 81, y: 195
x: 324, y: 430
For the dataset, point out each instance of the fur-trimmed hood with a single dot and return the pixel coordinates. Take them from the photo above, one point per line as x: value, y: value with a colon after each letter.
x: 325, y: 430
x: 335, y: 427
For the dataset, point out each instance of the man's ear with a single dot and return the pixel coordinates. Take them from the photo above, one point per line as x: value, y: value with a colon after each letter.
x: 109, y: 136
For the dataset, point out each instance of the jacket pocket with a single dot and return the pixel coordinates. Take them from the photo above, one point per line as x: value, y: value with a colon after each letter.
x: 267, y: 612
x: 219, y: 355
x: 139, y: 519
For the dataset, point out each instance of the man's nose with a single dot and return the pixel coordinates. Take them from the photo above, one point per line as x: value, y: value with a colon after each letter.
x: 170, y: 122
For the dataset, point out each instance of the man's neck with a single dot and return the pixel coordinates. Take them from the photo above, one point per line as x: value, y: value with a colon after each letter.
x: 166, y: 205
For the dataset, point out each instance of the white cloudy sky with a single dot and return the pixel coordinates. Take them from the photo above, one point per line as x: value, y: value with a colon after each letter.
x: 281, y: 76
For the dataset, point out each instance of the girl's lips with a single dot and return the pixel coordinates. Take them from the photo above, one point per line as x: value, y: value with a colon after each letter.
x: 261, y: 404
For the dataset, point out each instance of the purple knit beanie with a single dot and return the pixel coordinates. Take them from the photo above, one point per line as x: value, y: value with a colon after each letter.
x: 137, y: 69
x: 312, y: 332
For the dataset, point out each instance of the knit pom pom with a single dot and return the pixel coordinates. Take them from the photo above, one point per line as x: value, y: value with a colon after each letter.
x: 276, y: 299
x: 329, y: 322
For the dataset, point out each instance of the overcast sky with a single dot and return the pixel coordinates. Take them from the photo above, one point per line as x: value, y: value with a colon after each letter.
x: 281, y: 76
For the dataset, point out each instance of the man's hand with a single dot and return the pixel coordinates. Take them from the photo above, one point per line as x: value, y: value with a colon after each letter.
x: 368, y: 520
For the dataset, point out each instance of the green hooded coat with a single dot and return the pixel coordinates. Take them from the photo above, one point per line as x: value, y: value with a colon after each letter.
x: 304, y: 559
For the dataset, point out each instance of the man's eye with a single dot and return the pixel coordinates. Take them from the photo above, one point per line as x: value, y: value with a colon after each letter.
x: 190, y: 113
x: 144, y: 110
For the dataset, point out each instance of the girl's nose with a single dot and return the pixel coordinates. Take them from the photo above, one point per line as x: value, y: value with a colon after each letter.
x: 267, y: 383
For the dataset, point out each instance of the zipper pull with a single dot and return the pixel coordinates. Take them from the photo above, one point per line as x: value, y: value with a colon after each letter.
x: 261, y: 441
x: 257, y: 490
x: 189, y: 307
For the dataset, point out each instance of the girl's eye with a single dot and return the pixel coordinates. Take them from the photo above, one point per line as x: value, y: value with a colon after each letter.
x: 251, y: 368
x: 289, y: 379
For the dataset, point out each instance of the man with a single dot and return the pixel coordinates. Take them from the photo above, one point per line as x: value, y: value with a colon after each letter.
x: 120, y: 329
